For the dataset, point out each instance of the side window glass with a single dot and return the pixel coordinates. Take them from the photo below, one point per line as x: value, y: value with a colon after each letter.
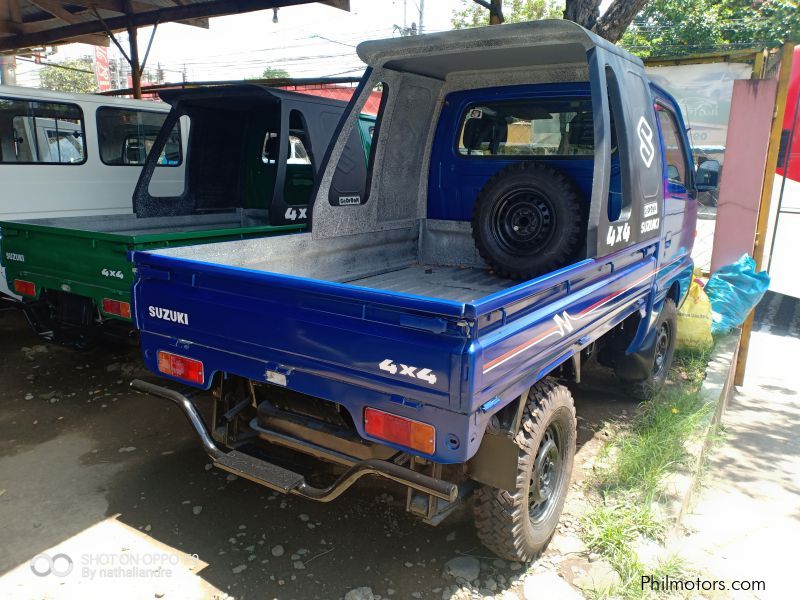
x: 299, y: 180
x: 41, y: 133
x: 535, y: 127
x: 270, y: 149
x: 353, y: 175
x: 126, y: 136
x: 674, y: 151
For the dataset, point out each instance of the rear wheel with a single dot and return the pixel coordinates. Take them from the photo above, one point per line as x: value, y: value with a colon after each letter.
x: 517, y: 525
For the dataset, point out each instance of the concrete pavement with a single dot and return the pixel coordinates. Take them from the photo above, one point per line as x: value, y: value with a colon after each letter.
x: 746, y: 523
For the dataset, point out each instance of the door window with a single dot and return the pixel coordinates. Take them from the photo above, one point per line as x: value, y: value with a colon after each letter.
x: 674, y: 150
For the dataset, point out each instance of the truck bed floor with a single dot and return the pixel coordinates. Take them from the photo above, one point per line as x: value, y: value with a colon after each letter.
x: 460, y: 284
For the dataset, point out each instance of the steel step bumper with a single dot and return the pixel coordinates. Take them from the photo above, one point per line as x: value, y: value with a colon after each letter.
x: 288, y: 482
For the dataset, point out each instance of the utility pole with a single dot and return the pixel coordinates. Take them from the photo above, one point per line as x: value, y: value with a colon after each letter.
x: 420, y: 29
x: 8, y: 69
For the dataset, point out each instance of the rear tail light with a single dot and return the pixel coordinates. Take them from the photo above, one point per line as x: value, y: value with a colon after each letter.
x: 399, y: 430
x: 26, y: 288
x: 117, y: 307
x: 181, y: 367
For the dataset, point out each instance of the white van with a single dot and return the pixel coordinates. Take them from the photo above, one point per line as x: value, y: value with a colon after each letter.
x: 64, y: 155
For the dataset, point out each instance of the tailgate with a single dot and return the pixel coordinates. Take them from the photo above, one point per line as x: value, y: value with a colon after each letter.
x: 63, y: 259
x: 254, y: 323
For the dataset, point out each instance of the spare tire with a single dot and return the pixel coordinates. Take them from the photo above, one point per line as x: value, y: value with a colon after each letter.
x: 528, y: 220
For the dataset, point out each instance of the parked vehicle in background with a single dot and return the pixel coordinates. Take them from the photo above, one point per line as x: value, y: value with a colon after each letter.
x: 529, y: 204
x: 249, y: 167
x: 783, y: 240
x: 65, y: 155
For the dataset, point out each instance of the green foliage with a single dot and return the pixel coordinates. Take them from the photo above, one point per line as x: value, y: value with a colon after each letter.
x: 515, y: 11
x: 274, y: 73
x: 680, y: 27
x: 72, y: 76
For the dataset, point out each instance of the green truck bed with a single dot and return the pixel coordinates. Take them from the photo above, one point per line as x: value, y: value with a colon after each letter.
x: 92, y: 252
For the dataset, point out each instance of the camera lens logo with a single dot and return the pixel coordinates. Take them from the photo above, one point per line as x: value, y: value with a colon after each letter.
x: 59, y: 565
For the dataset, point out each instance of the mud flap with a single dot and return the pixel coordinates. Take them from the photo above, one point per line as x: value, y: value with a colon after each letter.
x: 635, y: 365
x: 495, y: 463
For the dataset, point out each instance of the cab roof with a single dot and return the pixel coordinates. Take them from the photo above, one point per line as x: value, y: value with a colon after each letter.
x: 532, y: 44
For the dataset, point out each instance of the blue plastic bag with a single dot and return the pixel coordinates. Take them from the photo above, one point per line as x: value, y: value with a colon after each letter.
x: 734, y: 290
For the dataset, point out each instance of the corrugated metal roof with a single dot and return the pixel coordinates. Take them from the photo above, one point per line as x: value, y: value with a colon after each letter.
x: 36, y: 23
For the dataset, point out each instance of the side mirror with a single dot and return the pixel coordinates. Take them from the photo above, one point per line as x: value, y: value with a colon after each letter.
x: 707, y: 176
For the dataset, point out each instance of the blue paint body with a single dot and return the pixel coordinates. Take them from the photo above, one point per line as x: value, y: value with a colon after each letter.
x: 329, y: 338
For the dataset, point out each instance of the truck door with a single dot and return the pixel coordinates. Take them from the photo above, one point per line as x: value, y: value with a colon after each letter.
x: 680, y: 208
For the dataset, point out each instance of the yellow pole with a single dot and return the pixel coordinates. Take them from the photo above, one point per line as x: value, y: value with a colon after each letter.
x: 787, y: 54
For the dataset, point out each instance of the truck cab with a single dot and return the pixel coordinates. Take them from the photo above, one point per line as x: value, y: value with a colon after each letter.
x: 528, y: 203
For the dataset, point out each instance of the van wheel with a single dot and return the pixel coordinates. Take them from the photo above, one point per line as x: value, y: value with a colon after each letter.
x: 528, y: 220
x: 517, y: 525
x: 666, y: 326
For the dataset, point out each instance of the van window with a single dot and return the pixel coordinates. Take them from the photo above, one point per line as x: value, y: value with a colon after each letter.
x: 674, y: 151
x: 33, y: 132
x: 532, y: 127
x: 126, y: 135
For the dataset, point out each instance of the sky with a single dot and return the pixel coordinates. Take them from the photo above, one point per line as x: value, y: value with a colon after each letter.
x: 308, y: 41
x: 314, y: 40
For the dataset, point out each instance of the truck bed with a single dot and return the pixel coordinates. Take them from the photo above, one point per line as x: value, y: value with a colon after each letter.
x: 460, y: 284
x: 88, y: 256
x: 131, y: 228
x: 356, y: 319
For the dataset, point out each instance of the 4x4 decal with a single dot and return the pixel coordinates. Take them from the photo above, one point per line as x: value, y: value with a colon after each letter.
x: 390, y: 366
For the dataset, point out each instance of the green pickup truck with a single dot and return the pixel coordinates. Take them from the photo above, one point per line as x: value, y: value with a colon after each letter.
x: 250, y: 166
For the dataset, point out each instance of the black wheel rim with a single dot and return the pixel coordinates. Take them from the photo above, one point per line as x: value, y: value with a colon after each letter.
x: 663, y: 338
x: 547, y: 475
x: 523, y: 222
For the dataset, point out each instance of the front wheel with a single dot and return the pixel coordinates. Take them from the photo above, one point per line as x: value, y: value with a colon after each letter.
x: 517, y: 525
x: 665, y: 329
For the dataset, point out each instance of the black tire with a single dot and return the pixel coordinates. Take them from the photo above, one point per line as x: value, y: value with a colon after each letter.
x: 528, y: 220
x: 512, y: 524
x: 666, y: 327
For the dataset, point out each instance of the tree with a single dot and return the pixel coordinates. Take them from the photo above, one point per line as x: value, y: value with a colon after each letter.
x: 472, y: 14
x: 680, y: 27
x: 584, y: 12
x: 274, y: 73
x: 73, y: 76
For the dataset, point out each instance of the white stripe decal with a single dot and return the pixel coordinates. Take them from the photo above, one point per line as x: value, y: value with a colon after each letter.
x: 564, y: 322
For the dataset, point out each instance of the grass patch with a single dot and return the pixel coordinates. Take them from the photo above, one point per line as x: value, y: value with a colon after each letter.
x: 614, y: 533
x: 630, y: 476
x: 652, y: 445
x: 690, y: 365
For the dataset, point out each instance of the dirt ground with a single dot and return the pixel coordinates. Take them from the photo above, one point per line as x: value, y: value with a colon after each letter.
x: 116, y: 482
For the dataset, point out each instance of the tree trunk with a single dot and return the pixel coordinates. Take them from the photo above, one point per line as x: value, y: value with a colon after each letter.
x: 612, y: 24
x: 583, y: 12
x: 617, y: 18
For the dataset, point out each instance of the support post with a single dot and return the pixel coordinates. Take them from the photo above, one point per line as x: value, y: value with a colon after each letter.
x: 8, y: 69
x: 787, y: 53
x: 136, y: 70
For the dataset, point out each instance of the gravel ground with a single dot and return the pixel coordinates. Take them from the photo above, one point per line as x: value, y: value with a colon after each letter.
x: 117, y: 482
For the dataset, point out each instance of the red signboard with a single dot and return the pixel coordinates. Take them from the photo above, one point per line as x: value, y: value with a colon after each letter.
x: 101, y: 68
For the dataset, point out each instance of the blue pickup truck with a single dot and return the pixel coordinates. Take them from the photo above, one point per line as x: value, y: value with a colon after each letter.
x: 529, y: 203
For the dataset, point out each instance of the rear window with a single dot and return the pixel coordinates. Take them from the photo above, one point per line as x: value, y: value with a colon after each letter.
x: 533, y: 127
x: 126, y: 136
x: 33, y: 132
